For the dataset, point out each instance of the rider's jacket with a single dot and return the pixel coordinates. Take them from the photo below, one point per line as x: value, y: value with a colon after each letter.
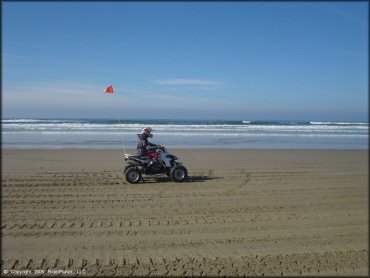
x: 143, y: 145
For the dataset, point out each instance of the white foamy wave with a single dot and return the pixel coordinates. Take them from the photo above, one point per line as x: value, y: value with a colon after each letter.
x: 80, y: 126
x: 337, y: 123
x: 63, y: 132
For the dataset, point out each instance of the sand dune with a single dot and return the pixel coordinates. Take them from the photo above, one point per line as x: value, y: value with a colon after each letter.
x: 242, y: 212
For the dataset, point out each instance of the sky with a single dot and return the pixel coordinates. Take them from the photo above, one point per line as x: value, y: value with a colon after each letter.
x: 186, y: 60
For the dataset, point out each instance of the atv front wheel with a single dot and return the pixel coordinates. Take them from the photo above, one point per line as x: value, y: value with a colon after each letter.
x: 127, y: 168
x: 133, y: 175
x: 178, y: 173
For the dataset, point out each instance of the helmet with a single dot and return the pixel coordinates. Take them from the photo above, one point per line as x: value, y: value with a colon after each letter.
x: 147, y: 131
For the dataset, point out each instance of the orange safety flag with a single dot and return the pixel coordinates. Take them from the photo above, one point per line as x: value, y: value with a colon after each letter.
x: 109, y: 90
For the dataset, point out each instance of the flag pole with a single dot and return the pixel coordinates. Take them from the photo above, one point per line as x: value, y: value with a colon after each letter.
x: 110, y: 90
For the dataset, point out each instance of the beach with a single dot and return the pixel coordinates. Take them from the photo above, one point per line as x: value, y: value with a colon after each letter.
x: 242, y: 212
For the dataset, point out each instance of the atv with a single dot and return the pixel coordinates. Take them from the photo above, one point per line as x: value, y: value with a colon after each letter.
x: 155, y: 163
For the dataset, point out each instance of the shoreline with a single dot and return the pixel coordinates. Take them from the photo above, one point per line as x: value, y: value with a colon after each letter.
x: 191, y: 148
x: 112, y: 159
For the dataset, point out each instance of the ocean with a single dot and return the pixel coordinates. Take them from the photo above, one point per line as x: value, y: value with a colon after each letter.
x: 244, y: 134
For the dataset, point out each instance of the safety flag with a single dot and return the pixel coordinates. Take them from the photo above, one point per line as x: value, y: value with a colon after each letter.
x: 109, y: 90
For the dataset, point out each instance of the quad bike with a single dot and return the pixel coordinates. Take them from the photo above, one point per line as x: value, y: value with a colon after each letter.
x: 158, y: 162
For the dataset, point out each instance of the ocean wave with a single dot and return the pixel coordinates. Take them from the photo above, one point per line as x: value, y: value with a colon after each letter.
x: 339, y: 123
x: 179, y: 122
x: 276, y: 123
x: 85, y: 133
x: 184, y: 128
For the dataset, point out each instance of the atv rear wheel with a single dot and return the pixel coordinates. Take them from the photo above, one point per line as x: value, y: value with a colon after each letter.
x: 133, y: 175
x: 178, y: 173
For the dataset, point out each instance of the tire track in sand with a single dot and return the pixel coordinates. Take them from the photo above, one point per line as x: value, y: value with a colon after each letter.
x: 95, y: 222
x: 268, y: 265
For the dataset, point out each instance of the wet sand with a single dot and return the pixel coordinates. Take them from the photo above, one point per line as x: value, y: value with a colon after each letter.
x: 242, y: 212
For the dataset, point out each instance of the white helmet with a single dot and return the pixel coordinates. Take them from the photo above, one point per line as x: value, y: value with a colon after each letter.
x: 147, y: 131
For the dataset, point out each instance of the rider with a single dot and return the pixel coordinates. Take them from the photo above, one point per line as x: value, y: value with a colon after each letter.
x: 143, y: 145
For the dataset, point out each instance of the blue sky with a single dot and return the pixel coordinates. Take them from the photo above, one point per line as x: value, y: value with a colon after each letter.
x: 206, y: 60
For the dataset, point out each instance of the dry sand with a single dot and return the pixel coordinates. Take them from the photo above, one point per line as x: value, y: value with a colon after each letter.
x: 242, y: 212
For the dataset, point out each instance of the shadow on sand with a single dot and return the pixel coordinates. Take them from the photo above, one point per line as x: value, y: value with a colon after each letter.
x: 202, y: 178
x: 190, y: 179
